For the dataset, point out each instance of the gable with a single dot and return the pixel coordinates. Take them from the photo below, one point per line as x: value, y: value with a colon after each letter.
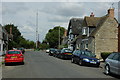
x: 75, y: 24
x: 108, y: 29
x: 101, y: 22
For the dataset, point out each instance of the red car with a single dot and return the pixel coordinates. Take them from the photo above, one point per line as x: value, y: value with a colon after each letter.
x: 14, y: 56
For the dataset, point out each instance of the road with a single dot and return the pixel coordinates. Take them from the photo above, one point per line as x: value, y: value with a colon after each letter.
x: 39, y: 65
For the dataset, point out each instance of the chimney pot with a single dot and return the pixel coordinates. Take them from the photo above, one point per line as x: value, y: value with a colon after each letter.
x: 111, y: 12
x: 92, y: 15
x: 10, y: 30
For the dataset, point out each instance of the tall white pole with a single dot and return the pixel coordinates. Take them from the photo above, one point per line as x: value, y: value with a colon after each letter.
x: 37, y: 29
x: 59, y: 37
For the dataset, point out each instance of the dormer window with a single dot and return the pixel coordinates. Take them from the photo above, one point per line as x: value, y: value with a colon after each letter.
x: 84, y: 31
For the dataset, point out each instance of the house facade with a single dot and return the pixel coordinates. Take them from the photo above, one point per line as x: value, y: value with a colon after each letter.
x: 104, y: 38
x: 119, y: 38
x: 74, y: 28
x: 98, y: 34
x: 3, y: 40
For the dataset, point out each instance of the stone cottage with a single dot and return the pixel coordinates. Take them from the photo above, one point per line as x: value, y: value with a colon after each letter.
x: 98, y: 34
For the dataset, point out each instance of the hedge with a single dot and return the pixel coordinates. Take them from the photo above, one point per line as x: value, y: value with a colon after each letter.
x: 104, y: 55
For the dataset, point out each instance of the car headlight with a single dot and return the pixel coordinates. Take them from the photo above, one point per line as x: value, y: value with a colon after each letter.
x: 51, y: 52
x: 98, y: 60
x: 85, y: 59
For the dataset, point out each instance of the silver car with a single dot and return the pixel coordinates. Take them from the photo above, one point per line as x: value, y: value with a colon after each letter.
x: 112, y: 64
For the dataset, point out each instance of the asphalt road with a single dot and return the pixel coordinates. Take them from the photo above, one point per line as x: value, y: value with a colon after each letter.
x: 39, y: 65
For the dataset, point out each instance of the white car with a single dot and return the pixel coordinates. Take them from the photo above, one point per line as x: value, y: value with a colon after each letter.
x: 47, y: 51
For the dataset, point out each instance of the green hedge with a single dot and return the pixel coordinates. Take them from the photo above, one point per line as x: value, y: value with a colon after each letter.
x: 104, y: 55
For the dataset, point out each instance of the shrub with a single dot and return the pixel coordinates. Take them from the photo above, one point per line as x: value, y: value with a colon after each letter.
x: 104, y: 55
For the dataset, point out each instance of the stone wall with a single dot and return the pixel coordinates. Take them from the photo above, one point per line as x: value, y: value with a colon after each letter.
x: 106, y: 39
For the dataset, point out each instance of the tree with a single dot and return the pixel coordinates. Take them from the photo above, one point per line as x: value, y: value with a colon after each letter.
x: 52, y: 37
x: 18, y: 40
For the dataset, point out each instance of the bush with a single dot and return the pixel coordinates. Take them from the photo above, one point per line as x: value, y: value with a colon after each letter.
x: 104, y: 55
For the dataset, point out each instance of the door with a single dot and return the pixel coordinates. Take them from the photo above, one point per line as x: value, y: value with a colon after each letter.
x: 119, y: 65
x: 114, y: 64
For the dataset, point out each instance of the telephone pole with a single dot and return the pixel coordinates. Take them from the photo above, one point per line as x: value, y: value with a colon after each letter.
x: 59, y: 38
x: 37, y: 29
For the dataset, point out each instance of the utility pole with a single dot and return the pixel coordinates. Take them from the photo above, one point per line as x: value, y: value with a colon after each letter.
x: 37, y: 29
x: 59, y: 37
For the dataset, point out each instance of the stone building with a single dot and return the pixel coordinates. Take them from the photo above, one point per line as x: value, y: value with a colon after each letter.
x: 104, y: 38
x: 119, y: 38
x: 98, y: 34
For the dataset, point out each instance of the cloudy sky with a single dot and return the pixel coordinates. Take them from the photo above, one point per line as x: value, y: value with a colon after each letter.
x: 50, y: 14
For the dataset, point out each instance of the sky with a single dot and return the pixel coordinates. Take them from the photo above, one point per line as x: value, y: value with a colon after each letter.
x: 50, y: 14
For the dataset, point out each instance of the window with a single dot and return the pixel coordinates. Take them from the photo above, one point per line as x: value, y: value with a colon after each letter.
x: 82, y: 53
x: 91, y: 29
x: 71, y: 36
x: 74, y: 52
x: 13, y: 52
x: 77, y: 52
x: 111, y: 56
x: 116, y: 57
x: 119, y: 58
x: 84, y: 31
x: 86, y: 46
x: 70, y: 31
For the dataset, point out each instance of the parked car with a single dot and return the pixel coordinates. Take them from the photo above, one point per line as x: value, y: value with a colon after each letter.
x: 47, y: 51
x: 65, y: 53
x: 52, y: 51
x: 57, y: 52
x: 22, y: 49
x: 112, y: 63
x: 14, y: 56
x: 83, y: 57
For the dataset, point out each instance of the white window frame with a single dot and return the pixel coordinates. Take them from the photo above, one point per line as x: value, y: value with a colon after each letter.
x: 84, y: 32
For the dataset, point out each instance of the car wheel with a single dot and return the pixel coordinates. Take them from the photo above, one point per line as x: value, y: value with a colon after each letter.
x: 98, y: 65
x: 60, y: 56
x: 107, y: 69
x: 80, y: 62
x: 72, y: 60
x: 6, y: 64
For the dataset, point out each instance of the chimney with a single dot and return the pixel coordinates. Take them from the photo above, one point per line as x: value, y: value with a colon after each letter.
x: 65, y: 33
x: 10, y: 30
x: 111, y: 12
x: 91, y: 15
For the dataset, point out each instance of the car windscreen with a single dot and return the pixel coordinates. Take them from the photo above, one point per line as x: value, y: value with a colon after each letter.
x: 90, y: 54
x: 52, y: 49
x: 67, y: 50
x: 13, y: 52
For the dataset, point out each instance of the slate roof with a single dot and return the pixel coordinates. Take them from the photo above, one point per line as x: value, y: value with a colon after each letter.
x: 91, y: 21
x: 76, y: 24
x: 94, y: 22
x: 100, y: 23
